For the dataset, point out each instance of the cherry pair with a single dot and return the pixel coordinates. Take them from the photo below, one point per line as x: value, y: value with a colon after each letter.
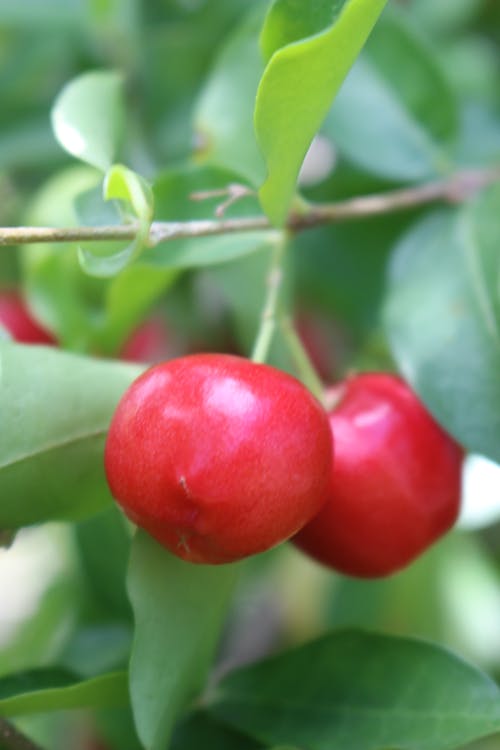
x: 220, y: 458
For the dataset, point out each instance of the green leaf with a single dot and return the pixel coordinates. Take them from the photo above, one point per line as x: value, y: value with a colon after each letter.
x: 179, y: 610
x: 29, y: 13
x: 55, y: 410
x: 443, y: 319
x: 446, y: 16
x: 479, y: 142
x: 364, y: 692
x: 199, y: 730
x: 133, y: 190
x: 88, y: 116
x: 103, y: 261
x: 129, y: 297
x: 224, y: 112
x: 328, y: 264
x: 95, y: 649
x: 104, y: 548
x: 42, y: 690
x: 134, y: 194
x: 62, y: 296
x: 386, y: 126
x: 29, y: 144
x: 297, y: 88
x: 172, y: 192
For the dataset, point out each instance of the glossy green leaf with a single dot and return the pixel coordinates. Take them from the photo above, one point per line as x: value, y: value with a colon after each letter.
x: 179, y: 611
x: 125, y: 185
x: 289, y: 21
x: 386, y: 126
x: 443, y: 319
x: 297, y: 89
x: 55, y: 410
x: 135, y: 197
x: 172, y: 191
x: 361, y: 691
x: 88, y: 116
x: 224, y: 111
x: 42, y: 690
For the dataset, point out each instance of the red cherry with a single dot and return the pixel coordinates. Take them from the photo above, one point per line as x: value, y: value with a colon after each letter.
x: 395, y: 481
x: 148, y: 343
x: 218, y: 457
x: 16, y: 318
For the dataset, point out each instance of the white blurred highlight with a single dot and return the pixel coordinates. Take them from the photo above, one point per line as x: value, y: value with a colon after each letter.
x: 69, y: 136
x: 480, y: 493
x: 319, y: 161
x: 26, y: 570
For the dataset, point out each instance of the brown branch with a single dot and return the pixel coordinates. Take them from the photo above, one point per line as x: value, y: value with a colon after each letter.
x: 456, y: 189
x: 12, y: 739
x: 29, y: 235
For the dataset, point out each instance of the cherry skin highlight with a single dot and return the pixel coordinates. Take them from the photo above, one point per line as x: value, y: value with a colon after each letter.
x: 217, y: 457
x: 16, y: 318
x: 395, y: 481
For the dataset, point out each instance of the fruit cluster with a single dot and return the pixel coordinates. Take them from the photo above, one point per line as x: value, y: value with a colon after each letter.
x: 219, y: 458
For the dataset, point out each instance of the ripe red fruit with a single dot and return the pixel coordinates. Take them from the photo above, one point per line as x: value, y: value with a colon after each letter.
x: 395, y: 483
x: 16, y: 318
x: 218, y: 457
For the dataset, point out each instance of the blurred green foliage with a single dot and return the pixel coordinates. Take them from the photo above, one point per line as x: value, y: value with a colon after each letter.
x: 422, y: 101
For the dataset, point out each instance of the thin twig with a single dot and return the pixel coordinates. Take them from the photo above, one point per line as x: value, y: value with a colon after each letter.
x: 29, y: 235
x: 12, y: 739
x: 456, y: 189
x: 232, y: 193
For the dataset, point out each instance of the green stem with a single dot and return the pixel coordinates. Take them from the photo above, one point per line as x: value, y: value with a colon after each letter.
x: 305, y: 368
x: 269, y: 313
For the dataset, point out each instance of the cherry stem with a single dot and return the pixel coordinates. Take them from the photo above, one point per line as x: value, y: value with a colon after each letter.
x: 305, y: 368
x: 269, y: 313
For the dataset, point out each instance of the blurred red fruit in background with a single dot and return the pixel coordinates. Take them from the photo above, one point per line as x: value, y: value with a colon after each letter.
x: 150, y: 342
x: 18, y: 321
